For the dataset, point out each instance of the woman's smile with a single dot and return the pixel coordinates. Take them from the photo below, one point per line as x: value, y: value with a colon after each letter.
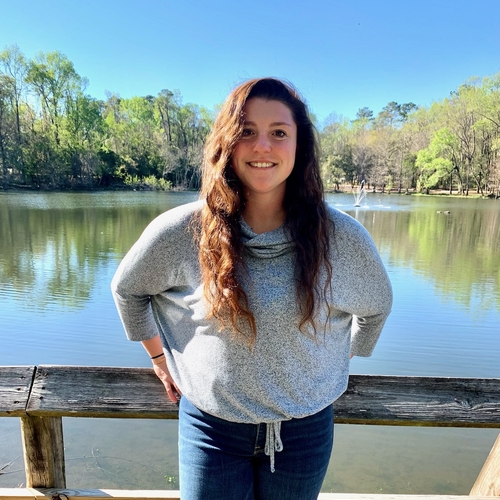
x: 261, y: 164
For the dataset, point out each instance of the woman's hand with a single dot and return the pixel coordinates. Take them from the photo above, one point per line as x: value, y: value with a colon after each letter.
x: 155, y: 350
x: 161, y: 369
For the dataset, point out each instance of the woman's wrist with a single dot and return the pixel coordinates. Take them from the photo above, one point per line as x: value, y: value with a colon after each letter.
x: 158, y: 359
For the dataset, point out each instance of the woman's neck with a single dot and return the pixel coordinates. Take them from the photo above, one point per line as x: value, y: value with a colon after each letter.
x: 264, y: 215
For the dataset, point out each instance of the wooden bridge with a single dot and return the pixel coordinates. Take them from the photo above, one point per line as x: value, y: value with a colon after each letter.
x: 41, y: 396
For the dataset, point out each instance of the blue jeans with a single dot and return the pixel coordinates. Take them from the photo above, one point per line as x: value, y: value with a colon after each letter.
x: 226, y: 460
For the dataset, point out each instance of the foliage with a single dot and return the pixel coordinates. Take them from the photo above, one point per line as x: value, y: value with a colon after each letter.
x: 148, y: 183
x: 54, y: 135
x: 436, y: 163
x: 453, y: 144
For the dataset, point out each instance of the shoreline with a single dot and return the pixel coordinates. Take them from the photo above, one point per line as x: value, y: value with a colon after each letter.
x: 344, y: 190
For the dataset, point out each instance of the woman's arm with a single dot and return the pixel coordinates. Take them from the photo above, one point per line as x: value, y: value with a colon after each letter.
x: 155, y: 350
x: 361, y: 283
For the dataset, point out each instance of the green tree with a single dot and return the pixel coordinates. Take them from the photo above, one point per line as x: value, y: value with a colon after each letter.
x: 55, y: 82
x: 436, y: 163
x: 134, y: 126
x: 13, y: 73
x: 4, y: 127
x: 54, y: 79
x: 185, y: 128
x: 364, y: 114
x: 84, y: 132
x: 337, y: 163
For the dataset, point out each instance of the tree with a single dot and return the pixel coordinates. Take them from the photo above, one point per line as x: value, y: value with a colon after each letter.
x: 15, y: 70
x: 394, y: 114
x: 84, y: 132
x: 185, y: 128
x: 4, y: 126
x: 55, y: 80
x: 362, y: 150
x: 56, y: 83
x: 437, y: 162
x: 364, y: 114
x: 337, y: 164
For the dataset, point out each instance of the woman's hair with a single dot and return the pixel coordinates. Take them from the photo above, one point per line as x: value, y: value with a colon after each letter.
x: 306, y: 217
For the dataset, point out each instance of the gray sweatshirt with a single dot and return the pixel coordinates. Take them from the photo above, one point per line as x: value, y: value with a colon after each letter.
x: 157, y: 289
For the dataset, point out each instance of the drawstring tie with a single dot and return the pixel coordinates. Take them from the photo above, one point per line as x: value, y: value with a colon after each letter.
x: 273, y: 441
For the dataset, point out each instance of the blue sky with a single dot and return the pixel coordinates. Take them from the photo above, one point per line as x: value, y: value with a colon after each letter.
x: 341, y: 55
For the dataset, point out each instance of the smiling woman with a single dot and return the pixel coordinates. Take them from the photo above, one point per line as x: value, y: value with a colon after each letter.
x: 250, y: 303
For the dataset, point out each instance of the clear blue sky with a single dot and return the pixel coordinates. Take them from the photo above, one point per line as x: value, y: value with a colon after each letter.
x: 341, y: 55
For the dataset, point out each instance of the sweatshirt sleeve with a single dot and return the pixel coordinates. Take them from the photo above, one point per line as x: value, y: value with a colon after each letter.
x: 149, y: 268
x: 366, y: 291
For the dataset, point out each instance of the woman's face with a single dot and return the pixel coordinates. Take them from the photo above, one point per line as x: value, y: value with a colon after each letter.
x: 265, y: 155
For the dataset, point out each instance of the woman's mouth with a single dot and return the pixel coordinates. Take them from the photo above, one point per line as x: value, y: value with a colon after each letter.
x: 261, y: 164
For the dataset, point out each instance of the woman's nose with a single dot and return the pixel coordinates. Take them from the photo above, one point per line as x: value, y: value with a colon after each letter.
x: 262, y: 143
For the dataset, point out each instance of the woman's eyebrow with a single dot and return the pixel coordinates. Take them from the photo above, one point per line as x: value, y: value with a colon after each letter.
x: 274, y: 124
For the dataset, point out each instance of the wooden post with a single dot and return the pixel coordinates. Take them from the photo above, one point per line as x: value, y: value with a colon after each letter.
x: 488, y: 482
x: 43, y: 448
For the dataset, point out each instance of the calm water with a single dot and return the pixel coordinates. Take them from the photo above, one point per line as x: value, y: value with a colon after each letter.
x: 58, y: 253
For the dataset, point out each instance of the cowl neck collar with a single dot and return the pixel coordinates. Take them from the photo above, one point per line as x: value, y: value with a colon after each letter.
x: 266, y: 245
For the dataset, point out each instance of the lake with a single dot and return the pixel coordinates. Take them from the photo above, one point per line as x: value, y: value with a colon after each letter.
x: 59, y: 251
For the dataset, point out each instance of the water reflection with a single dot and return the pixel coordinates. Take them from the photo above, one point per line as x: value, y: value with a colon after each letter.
x: 457, y: 251
x: 54, y: 246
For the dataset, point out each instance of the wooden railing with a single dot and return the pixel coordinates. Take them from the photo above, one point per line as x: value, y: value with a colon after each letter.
x: 41, y: 396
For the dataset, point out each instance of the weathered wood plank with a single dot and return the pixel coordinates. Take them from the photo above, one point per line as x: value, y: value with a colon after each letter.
x: 105, y: 392
x: 15, y: 383
x: 43, y: 448
x: 69, y: 494
x: 429, y: 401
x: 369, y: 399
x: 488, y: 481
x: 17, y: 494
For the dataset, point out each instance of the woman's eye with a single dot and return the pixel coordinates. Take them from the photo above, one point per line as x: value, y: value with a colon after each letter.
x: 246, y: 132
x: 280, y: 134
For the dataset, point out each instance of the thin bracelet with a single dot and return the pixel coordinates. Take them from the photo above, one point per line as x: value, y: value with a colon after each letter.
x: 158, y: 355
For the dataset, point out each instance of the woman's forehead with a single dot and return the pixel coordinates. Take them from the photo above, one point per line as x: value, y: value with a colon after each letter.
x: 257, y: 109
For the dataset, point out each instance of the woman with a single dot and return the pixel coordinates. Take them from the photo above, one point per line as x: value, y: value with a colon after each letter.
x: 250, y: 303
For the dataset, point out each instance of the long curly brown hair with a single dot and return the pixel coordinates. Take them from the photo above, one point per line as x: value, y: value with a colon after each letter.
x: 306, y: 219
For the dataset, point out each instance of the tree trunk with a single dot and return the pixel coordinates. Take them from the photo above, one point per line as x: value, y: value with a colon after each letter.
x: 3, y: 155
